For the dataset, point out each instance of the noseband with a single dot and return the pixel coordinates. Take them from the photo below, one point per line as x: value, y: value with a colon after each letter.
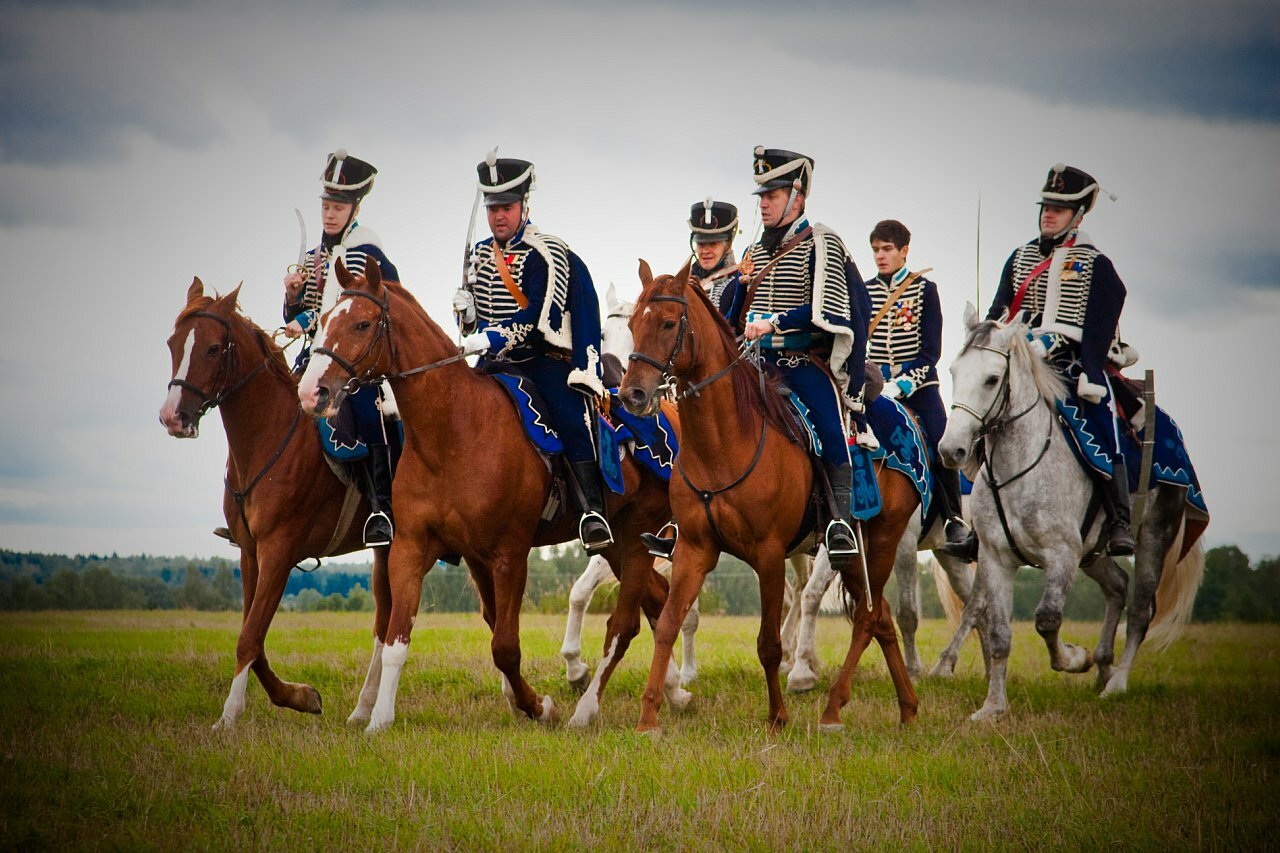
x: 209, y: 401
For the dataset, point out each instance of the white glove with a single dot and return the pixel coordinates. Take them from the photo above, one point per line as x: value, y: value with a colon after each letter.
x: 891, y: 389
x: 464, y: 305
x: 476, y: 343
x: 1089, y: 392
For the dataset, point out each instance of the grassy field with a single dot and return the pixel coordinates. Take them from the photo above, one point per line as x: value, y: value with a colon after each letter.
x: 107, y: 743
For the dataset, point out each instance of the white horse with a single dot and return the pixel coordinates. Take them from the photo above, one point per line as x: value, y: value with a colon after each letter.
x: 1045, y: 495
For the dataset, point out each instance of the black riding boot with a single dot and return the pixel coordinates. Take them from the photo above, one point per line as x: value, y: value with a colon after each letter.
x: 375, y: 483
x: 1115, y: 500
x: 659, y: 545
x: 593, y: 529
x: 961, y: 542
x: 840, y: 542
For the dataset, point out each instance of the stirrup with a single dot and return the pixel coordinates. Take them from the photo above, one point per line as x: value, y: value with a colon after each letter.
x: 597, y: 544
x: 374, y: 535
x: 1125, y: 546
x: 841, y: 527
x: 659, y: 545
x: 225, y: 533
x: 965, y: 548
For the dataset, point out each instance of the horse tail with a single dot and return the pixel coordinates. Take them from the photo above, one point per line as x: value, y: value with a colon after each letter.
x: 1176, y: 594
x: 952, y: 605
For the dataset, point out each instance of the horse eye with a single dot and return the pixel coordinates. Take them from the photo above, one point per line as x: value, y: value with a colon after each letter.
x: 213, y: 349
x: 669, y: 324
x: 363, y: 325
x: 991, y: 381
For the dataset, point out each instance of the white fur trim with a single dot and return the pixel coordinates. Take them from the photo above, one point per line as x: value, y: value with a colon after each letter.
x: 1088, y: 391
x: 563, y: 337
x: 514, y: 182
x: 586, y: 379
x: 842, y: 337
x: 358, y: 236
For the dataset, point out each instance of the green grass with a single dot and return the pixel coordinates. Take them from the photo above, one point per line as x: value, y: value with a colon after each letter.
x: 106, y: 742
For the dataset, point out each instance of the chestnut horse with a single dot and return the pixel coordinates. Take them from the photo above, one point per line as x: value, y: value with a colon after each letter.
x: 743, y: 488
x: 471, y: 483
x: 282, y: 502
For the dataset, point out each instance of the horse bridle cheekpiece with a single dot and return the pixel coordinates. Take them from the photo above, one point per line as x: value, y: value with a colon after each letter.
x: 209, y: 401
x: 676, y: 348
x: 382, y: 330
x: 1001, y: 399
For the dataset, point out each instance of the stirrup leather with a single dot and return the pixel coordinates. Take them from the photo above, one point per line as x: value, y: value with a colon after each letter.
x: 837, y: 526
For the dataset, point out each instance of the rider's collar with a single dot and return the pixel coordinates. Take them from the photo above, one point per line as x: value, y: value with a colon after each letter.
x: 1048, y: 244
x: 897, y: 277
x: 516, y: 237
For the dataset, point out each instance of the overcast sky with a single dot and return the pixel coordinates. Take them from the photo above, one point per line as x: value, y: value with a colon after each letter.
x: 144, y: 143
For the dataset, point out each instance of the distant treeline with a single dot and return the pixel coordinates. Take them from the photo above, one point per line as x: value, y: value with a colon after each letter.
x: 1233, y: 589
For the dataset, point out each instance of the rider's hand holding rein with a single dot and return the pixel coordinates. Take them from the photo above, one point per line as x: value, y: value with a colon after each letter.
x: 758, y: 329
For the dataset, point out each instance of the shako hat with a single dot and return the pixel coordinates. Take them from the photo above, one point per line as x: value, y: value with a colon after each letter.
x: 1067, y: 186
x: 346, y: 179
x: 777, y: 168
x: 712, y: 221
x: 504, y: 180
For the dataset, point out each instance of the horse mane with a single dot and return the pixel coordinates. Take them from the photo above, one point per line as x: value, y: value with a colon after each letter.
x: 748, y: 401
x: 1048, y: 383
x: 270, y: 349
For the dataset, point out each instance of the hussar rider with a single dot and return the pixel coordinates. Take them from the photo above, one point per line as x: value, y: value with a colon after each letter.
x: 345, y: 182
x: 905, y: 343
x: 529, y: 306
x: 801, y: 297
x: 1073, y: 298
x: 712, y: 226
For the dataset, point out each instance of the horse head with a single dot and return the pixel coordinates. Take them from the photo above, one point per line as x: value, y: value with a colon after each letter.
x: 993, y: 378
x: 662, y: 340
x: 202, y: 351
x: 616, y: 343
x: 353, y: 342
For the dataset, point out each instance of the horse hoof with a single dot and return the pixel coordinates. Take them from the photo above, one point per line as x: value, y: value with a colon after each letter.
x: 579, y: 684
x: 550, y: 716
x: 986, y: 713
x: 830, y: 728
x: 358, y: 719
x: 1115, y: 687
x: 378, y: 723
x: 654, y: 734
x: 801, y: 681
x: 224, y: 724
x: 941, y: 671
x: 680, y: 701
x: 312, y: 704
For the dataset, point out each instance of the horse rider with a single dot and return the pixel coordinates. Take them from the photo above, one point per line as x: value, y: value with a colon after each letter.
x: 905, y: 344
x: 529, y: 303
x: 1073, y: 297
x: 310, y: 289
x: 801, y: 297
x: 712, y: 226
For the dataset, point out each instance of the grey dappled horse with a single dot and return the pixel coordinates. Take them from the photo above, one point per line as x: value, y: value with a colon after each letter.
x: 1046, y: 494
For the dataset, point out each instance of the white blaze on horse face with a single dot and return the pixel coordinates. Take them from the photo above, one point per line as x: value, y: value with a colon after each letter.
x: 170, y: 407
x: 615, y: 333
x: 309, y: 385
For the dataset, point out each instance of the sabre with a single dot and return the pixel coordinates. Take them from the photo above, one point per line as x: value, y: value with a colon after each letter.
x: 862, y: 558
x: 302, y: 237
x: 1148, y: 449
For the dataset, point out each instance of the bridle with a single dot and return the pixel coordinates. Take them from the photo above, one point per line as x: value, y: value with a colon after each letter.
x: 381, y: 332
x: 683, y: 333
x: 226, y: 364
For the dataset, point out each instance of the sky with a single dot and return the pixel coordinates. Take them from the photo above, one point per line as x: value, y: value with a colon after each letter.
x: 142, y: 144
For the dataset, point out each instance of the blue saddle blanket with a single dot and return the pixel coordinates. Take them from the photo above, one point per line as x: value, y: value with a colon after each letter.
x: 341, y: 435
x: 865, y: 501
x: 652, y: 440
x: 902, y: 446
x: 1170, y: 462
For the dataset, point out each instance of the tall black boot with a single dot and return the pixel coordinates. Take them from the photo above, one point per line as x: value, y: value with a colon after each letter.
x: 840, y: 542
x: 1115, y: 500
x: 961, y: 541
x: 376, y: 486
x: 593, y: 529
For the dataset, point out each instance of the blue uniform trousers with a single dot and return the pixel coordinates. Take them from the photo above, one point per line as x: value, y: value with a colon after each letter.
x: 1100, y: 418
x: 815, y: 389
x: 927, y: 406
x: 569, y: 410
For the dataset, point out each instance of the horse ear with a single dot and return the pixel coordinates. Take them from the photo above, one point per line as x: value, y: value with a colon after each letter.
x: 682, y: 277
x: 196, y: 290
x: 611, y: 296
x: 646, y: 274
x: 970, y: 316
x: 373, y: 275
x: 227, y: 304
x: 344, y: 275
